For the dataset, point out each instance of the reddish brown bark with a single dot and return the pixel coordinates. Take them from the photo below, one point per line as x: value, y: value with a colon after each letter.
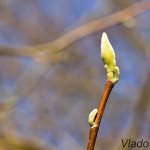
x: 94, y: 130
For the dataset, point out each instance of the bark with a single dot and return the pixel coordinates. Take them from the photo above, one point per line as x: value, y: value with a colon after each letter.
x: 94, y: 129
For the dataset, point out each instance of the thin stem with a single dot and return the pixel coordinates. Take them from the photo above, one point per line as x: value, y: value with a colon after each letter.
x: 94, y: 129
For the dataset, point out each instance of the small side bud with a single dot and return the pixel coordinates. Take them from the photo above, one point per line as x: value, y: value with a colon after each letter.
x: 92, y: 117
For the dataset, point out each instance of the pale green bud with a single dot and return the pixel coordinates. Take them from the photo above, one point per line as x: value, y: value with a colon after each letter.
x: 92, y: 117
x: 108, y: 57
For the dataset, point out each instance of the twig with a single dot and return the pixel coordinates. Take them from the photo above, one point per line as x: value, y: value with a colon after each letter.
x: 82, y: 31
x: 12, y: 50
x: 98, y: 25
x: 113, y: 75
x: 94, y: 129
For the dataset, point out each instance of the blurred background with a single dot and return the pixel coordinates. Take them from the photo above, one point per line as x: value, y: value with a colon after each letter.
x: 52, y: 75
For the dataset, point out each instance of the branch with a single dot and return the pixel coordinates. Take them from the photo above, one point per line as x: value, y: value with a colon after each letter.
x: 98, y: 25
x: 94, y: 129
x: 81, y: 32
x: 17, y: 50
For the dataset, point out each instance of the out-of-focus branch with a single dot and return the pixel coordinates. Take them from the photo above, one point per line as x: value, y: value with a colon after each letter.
x: 98, y: 25
x: 78, y: 33
x: 49, y: 52
x: 17, y: 50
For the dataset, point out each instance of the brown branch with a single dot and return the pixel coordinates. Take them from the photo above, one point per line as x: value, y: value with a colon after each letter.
x: 81, y: 32
x: 11, y: 50
x: 98, y: 25
x: 94, y: 129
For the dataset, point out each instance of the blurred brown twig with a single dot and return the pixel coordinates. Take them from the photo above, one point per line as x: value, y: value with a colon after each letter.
x: 44, y: 50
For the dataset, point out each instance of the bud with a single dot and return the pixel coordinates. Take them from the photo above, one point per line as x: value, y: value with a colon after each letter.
x: 92, y: 117
x: 108, y: 57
